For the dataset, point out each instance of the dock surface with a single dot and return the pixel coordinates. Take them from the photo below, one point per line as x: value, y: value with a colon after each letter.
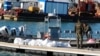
x: 53, y: 49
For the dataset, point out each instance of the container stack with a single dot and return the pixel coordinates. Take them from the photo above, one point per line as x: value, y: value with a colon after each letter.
x: 7, y: 5
x: 87, y: 6
x: 1, y: 3
x: 49, y: 6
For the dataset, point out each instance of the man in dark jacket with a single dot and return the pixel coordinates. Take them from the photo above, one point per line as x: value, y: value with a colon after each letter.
x: 87, y: 30
x: 79, y: 34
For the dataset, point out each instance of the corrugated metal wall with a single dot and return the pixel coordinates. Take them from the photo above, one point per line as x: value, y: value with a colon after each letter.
x: 16, y: 4
x: 7, y: 5
x: 60, y: 7
x: 68, y: 1
x: 27, y: 4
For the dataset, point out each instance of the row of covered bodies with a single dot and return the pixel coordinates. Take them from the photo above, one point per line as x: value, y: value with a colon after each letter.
x: 41, y: 42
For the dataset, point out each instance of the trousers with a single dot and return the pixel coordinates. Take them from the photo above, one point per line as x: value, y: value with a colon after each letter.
x: 79, y: 40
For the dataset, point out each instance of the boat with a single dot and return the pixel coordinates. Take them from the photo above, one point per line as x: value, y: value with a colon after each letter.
x: 53, y: 25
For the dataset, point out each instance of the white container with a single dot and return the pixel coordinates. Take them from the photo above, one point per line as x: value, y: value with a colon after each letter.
x: 0, y: 5
x: 21, y: 5
x: 41, y: 5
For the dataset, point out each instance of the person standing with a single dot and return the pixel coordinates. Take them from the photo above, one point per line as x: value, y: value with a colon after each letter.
x: 87, y: 30
x: 79, y: 33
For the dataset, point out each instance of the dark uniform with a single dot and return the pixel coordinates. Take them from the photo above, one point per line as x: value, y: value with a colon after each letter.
x: 79, y: 34
x: 87, y: 30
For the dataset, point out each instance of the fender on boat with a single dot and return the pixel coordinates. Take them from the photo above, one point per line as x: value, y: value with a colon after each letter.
x: 4, y: 30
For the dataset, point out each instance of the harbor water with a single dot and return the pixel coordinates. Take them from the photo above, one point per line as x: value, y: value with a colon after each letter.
x: 37, y: 53
x: 33, y: 27
x: 9, y: 53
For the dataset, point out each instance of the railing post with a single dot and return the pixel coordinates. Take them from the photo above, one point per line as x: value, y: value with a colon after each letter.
x: 49, y: 53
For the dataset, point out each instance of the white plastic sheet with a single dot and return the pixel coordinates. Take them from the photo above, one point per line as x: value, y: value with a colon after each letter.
x: 51, y: 44
x: 19, y: 41
x: 32, y: 42
x: 26, y: 41
x: 45, y: 42
x: 63, y: 44
x: 40, y: 42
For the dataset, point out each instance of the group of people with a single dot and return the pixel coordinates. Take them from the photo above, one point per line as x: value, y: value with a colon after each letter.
x: 82, y: 29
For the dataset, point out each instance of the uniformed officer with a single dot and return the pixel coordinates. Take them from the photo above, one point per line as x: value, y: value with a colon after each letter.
x: 79, y: 33
x: 87, y: 30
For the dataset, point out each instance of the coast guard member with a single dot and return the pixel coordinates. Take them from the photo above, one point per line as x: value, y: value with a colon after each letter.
x: 87, y: 30
x: 79, y: 34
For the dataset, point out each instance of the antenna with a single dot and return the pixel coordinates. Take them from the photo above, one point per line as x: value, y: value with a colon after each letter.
x: 54, y: 11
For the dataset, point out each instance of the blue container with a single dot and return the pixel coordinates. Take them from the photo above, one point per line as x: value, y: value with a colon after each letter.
x: 7, y: 5
x: 60, y: 7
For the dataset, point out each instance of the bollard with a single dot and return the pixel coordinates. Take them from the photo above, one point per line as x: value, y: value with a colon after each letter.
x: 49, y: 53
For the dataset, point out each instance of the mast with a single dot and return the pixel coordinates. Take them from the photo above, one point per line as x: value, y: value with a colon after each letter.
x: 78, y: 9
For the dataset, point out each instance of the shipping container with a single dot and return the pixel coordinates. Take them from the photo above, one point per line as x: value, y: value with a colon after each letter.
x: 58, y: 7
x: 41, y: 5
x: 68, y: 1
x: 21, y: 5
x: 7, y: 5
x: 82, y: 6
x: 16, y: 4
x: 1, y: 5
x: 90, y: 7
x: 26, y: 5
x: 87, y: 6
